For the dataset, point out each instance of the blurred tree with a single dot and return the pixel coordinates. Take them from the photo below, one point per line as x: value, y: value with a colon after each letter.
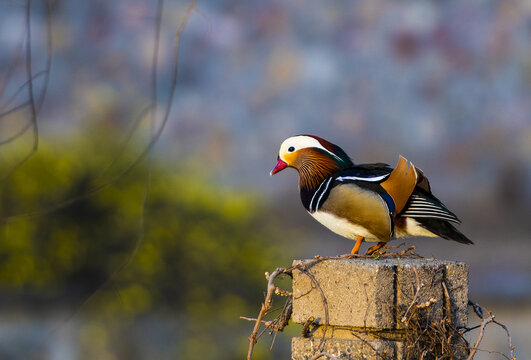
x: 189, y: 245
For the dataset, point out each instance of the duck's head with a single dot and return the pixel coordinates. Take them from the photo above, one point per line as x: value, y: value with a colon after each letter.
x: 314, y: 158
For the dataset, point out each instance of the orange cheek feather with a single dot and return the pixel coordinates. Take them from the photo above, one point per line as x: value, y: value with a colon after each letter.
x: 290, y: 158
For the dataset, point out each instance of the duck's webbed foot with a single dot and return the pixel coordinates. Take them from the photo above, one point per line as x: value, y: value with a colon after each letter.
x: 378, y: 246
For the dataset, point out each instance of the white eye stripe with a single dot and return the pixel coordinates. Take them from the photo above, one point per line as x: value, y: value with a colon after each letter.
x: 302, y: 142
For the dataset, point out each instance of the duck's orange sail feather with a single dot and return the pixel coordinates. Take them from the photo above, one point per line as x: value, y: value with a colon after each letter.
x: 401, y: 183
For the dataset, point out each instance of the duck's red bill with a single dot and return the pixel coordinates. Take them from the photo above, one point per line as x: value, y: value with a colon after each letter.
x: 281, y: 165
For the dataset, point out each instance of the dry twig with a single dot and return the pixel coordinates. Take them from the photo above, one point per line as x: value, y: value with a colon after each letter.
x: 486, y: 318
x: 266, y: 306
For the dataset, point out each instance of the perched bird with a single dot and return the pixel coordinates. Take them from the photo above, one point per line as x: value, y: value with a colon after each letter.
x: 371, y: 202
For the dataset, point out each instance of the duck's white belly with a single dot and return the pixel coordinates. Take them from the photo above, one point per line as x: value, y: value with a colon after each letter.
x: 342, y: 226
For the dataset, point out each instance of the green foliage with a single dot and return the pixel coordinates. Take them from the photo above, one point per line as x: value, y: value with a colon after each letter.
x: 195, y: 247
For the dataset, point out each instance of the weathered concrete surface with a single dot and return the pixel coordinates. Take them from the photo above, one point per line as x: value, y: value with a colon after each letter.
x: 358, y: 293
x: 373, y: 293
x: 368, y: 296
x: 306, y: 348
x: 457, y: 283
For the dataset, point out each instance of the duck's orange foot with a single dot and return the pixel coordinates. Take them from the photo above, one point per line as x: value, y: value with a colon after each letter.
x: 376, y: 247
x: 356, y: 248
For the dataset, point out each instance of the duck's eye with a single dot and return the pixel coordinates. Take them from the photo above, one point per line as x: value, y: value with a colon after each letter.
x: 291, y: 149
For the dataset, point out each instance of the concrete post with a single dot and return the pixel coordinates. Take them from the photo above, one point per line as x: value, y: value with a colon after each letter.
x: 358, y: 306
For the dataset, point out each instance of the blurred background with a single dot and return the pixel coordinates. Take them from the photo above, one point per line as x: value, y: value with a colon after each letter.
x: 128, y: 234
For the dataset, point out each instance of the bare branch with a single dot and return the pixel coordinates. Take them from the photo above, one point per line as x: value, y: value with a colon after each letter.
x: 416, y: 294
x: 34, y: 106
x: 266, y: 306
x: 486, y: 318
x: 325, y: 304
x: 31, y: 101
x: 154, y: 139
x: 13, y: 97
x: 11, y: 69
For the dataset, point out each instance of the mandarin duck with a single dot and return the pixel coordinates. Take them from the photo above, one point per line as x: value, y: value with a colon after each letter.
x: 365, y: 202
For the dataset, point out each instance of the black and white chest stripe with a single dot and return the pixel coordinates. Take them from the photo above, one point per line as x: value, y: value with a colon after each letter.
x: 319, y: 195
x: 323, y: 190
